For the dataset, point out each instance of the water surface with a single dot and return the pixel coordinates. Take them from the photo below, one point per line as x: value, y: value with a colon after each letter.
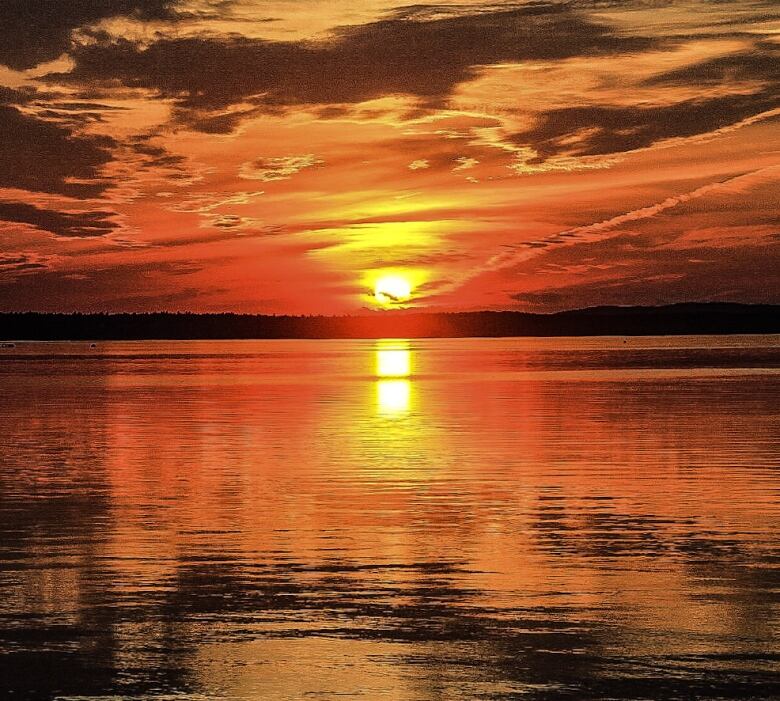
x: 434, y: 519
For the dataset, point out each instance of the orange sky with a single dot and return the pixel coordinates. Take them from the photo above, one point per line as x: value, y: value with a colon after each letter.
x: 281, y: 156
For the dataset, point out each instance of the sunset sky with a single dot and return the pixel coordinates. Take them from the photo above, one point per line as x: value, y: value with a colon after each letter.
x: 282, y: 156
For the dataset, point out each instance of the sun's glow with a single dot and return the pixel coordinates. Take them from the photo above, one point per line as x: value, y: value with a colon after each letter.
x: 392, y: 289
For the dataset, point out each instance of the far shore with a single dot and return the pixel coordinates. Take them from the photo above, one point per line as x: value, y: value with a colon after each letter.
x: 676, y: 319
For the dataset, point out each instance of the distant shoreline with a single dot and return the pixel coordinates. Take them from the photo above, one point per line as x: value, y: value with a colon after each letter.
x: 676, y: 319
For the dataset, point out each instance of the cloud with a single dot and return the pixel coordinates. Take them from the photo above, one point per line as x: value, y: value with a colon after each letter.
x: 224, y: 122
x: 35, y: 31
x: 206, y: 202
x: 547, y: 298
x: 645, y: 274
x: 419, y: 164
x: 283, y: 168
x: 607, y: 129
x: 48, y: 151
x: 421, y: 52
x: 13, y: 96
x: 138, y: 285
x: 465, y: 163
x: 84, y: 224
x: 761, y: 64
x: 599, y: 130
x: 597, y: 231
x: 47, y: 157
x: 231, y: 221
x: 21, y: 264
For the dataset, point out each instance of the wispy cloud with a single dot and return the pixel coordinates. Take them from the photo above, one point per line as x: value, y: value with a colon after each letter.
x: 596, y: 231
x: 280, y: 168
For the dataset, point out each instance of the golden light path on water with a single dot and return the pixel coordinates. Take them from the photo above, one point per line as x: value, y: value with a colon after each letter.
x: 393, y: 368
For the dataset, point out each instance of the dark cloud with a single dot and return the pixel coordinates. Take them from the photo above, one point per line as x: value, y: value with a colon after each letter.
x: 154, y: 156
x: 213, y: 122
x: 44, y: 156
x: 36, y: 31
x: 230, y: 221
x: 602, y: 130
x: 411, y: 53
x: 762, y: 64
x: 16, y: 264
x: 81, y: 106
x: 542, y: 299
x: 71, y: 114
x: 44, y: 150
x: 15, y: 96
x: 71, y: 224
x: 658, y: 277
x: 125, y: 286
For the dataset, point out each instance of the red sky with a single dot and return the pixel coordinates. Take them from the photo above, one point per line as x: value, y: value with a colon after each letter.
x: 281, y: 156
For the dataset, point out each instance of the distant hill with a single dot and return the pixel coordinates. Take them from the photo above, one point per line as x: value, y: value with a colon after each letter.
x: 712, y: 318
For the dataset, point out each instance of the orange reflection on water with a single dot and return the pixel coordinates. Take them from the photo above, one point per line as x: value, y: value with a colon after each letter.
x: 312, y: 513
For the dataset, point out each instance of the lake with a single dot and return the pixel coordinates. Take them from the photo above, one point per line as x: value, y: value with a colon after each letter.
x: 560, y: 518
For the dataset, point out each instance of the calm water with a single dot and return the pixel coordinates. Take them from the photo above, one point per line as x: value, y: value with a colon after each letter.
x: 436, y: 519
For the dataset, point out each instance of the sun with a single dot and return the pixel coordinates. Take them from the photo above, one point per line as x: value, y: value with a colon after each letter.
x: 392, y: 289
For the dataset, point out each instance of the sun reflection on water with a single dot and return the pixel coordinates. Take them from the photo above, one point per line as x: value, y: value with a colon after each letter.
x: 393, y: 396
x: 393, y: 360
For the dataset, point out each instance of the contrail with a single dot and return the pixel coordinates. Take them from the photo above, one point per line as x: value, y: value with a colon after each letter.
x: 524, y: 251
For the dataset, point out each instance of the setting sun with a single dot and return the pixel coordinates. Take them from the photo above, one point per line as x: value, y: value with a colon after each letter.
x: 392, y: 289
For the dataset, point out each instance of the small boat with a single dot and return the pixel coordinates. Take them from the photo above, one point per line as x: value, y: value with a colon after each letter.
x: 7, y: 345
